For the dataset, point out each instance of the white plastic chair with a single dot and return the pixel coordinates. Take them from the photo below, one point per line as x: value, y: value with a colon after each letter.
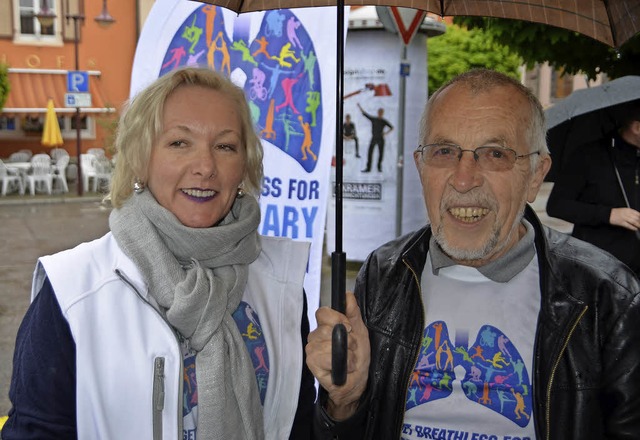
x: 60, y: 172
x: 98, y: 152
x: 40, y: 173
x: 87, y: 169
x: 103, y: 168
x: 10, y: 180
x: 41, y: 157
x: 19, y: 156
x: 57, y: 153
x: 27, y: 152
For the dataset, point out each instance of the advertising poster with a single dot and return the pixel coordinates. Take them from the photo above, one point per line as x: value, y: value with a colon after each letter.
x: 285, y: 61
x: 371, y: 100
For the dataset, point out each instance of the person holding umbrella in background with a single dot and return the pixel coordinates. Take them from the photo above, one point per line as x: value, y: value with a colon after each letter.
x: 599, y: 190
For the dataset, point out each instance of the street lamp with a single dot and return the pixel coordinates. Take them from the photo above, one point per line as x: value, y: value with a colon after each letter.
x: 104, y: 20
x: 45, y: 16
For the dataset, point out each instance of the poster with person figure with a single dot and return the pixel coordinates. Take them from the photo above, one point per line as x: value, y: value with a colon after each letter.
x: 371, y: 99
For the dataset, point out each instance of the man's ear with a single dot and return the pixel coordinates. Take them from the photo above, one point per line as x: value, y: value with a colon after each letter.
x: 543, y: 167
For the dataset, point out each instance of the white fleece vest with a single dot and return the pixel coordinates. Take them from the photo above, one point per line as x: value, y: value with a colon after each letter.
x: 119, y: 336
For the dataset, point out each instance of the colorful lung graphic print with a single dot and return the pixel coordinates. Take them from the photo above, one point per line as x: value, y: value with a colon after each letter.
x: 278, y: 70
x: 251, y: 330
x: 495, y: 377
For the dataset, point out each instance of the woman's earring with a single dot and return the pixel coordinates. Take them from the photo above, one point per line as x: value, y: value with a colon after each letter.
x: 240, y: 193
x: 138, y: 186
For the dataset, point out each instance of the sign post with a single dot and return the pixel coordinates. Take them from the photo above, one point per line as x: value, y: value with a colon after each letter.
x: 407, y: 22
x: 78, y: 96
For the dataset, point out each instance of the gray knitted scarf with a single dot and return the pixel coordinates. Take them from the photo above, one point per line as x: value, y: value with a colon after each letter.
x: 198, y: 277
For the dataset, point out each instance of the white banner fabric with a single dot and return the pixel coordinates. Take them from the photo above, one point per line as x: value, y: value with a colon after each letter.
x: 286, y: 62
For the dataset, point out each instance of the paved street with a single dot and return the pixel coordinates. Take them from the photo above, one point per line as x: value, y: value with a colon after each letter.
x: 28, y: 231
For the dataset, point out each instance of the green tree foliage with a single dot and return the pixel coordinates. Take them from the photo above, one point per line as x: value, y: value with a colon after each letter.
x: 566, y: 50
x: 4, y: 84
x: 109, y: 123
x: 460, y: 49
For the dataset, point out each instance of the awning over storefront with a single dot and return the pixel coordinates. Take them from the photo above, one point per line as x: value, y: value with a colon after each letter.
x: 31, y: 89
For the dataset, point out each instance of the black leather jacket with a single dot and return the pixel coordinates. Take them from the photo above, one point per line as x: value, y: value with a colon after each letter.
x: 586, y: 377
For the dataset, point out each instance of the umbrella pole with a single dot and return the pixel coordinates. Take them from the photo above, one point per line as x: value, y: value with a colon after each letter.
x: 338, y: 257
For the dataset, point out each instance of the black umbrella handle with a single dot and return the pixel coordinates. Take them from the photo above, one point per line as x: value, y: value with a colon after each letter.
x: 338, y: 258
x: 339, y: 303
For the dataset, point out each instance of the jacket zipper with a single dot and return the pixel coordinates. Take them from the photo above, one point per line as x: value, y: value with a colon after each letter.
x: 126, y: 280
x: 415, y: 360
x: 553, y: 373
x: 158, y: 397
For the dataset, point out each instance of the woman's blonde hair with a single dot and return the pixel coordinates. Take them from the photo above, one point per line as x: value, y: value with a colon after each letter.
x: 141, y: 124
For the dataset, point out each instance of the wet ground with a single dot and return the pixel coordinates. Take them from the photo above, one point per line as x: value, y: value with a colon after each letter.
x: 34, y: 226
x: 27, y: 232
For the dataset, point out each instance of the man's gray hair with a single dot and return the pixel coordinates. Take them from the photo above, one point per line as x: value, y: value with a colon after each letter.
x: 482, y: 80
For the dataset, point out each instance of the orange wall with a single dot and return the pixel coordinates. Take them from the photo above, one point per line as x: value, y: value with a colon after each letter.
x: 109, y: 50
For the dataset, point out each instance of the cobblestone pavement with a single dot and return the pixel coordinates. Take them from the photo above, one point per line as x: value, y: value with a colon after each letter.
x: 33, y: 227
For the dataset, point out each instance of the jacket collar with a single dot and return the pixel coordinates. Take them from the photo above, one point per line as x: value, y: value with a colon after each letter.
x: 415, y: 246
x: 414, y: 251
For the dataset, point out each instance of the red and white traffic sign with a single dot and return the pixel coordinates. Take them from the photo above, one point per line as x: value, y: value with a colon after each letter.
x: 407, y: 21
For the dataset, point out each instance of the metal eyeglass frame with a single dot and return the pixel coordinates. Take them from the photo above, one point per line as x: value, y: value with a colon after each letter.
x: 476, y: 156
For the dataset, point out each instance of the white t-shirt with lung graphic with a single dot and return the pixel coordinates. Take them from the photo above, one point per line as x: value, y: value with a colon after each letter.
x: 472, y: 380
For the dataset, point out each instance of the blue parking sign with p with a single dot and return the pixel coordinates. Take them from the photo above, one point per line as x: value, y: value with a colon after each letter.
x: 77, y: 81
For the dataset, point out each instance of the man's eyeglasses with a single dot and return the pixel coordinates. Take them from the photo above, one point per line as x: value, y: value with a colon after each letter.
x: 488, y: 158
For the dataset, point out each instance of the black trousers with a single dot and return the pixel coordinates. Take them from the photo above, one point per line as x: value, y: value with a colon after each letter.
x: 380, y: 143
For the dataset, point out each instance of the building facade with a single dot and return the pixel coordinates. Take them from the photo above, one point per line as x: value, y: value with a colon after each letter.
x: 550, y: 85
x: 39, y: 57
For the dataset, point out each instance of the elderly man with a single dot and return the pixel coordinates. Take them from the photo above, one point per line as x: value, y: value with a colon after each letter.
x: 484, y: 324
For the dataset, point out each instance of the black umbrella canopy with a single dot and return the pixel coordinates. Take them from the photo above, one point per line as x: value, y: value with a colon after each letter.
x: 586, y: 116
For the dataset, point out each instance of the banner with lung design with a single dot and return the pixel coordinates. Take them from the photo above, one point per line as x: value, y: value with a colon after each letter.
x: 285, y: 62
